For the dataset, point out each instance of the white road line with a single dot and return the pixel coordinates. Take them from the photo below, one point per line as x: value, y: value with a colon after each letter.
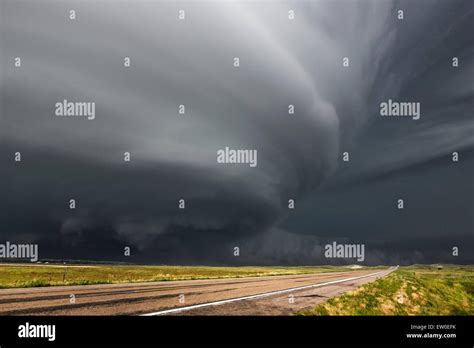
x: 266, y: 294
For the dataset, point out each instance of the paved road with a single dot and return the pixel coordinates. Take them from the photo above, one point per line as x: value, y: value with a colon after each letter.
x: 271, y: 295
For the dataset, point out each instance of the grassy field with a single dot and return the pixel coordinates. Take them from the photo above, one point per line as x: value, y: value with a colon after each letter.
x: 414, y: 290
x: 52, y: 275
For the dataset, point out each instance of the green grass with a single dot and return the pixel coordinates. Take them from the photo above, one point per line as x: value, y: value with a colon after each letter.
x: 414, y: 290
x: 52, y: 275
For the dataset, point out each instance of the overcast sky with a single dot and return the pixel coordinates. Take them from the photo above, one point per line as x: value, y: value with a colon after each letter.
x: 173, y: 156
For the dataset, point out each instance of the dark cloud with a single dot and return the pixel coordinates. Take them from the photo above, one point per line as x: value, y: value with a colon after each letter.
x: 174, y: 156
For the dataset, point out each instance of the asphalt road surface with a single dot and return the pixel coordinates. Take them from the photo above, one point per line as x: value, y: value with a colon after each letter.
x: 271, y: 295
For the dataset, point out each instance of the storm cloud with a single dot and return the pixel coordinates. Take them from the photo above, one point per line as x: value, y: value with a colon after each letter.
x: 190, y: 62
